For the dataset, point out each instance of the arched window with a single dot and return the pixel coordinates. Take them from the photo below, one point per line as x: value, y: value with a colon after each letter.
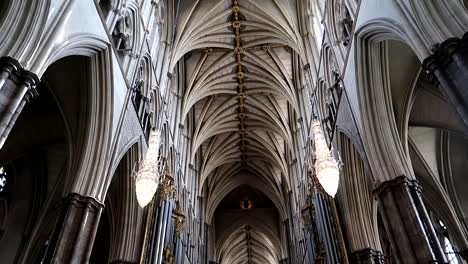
x: 106, y: 7
x: 138, y: 88
x: 156, y: 28
x: 3, y: 180
x: 346, y: 24
x: 317, y: 23
x: 143, y: 97
x: 123, y: 32
x: 148, y: 116
x: 342, y: 22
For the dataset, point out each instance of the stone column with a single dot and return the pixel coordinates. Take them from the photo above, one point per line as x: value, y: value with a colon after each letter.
x: 405, y: 218
x: 368, y: 256
x: 8, y: 65
x: 17, y: 87
x: 73, y: 237
x: 448, y: 69
x: 29, y: 96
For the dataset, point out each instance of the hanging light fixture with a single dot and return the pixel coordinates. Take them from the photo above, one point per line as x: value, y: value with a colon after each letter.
x: 326, y: 167
x: 147, y: 178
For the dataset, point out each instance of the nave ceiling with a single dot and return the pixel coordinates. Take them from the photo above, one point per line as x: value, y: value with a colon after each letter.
x: 242, y: 67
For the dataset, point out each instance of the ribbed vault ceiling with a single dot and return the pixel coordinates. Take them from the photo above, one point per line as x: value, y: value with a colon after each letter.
x: 239, y: 66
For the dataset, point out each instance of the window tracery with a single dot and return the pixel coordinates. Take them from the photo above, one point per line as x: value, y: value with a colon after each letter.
x: 340, y: 21
x: 106, y: 7
x: 155, y: 28
x: 332, y: 101
x: 143, y: 97
x: 316, y: 23
x: 123, y: 32
x: 446, y: 243
x: 346, y: 24
x: 3, y: 180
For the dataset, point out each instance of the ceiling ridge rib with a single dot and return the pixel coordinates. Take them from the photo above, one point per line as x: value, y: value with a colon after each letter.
x: 236, y: 26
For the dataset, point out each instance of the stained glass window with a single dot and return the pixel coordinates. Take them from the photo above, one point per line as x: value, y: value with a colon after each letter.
x: 3, y: 179
x: 447, y: 246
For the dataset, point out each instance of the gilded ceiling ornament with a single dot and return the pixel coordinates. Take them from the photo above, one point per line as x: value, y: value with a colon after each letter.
x: 167, y: 189
x: 178, y: 219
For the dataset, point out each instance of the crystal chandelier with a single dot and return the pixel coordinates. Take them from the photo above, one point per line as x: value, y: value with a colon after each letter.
x: 147, y: 178
x: 326, y: 166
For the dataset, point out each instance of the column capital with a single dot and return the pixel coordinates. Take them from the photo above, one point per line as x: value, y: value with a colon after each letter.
x: 170, y: 75
x: 122, y: 262
x: 79, y: 201
x: 30, y: 94
x: 368, y: 256
x: 388, y: 185
x: 401, y: 181
x: 26, y: 78
x: 9, y: 64
x: 442, y: 53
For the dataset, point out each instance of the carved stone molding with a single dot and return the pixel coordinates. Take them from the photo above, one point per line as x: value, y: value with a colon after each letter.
x: 17, y: 87
x: 8, y: 65
x: 368, y: 256
x: 447, y: 68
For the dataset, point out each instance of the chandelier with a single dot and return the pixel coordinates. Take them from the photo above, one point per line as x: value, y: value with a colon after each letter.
x: 326, y: 167
x: 147, y: 178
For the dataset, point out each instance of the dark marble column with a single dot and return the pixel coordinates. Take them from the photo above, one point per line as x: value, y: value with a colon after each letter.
x: 29, y: 96
x: 73, y: 237
x: 17, y: 87
x: 8, y: 65
x: 367, y: 256
x: 448, y: 69
x: 405, y: 218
